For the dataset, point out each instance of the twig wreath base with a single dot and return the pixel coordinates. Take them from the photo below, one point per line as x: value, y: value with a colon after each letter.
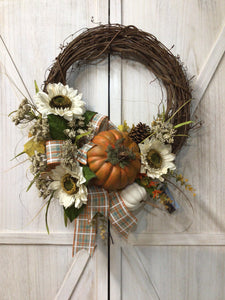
x: 128, y: 42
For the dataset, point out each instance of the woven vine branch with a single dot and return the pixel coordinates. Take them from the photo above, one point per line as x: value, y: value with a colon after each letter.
x: 128, y: 42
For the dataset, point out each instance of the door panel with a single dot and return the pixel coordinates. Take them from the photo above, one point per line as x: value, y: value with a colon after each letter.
x: 166, y: 257
x: 176, y: 256
x: 33, y: 263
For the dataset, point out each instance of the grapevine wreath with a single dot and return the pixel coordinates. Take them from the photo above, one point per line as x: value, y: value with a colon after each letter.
x: 82, y: 159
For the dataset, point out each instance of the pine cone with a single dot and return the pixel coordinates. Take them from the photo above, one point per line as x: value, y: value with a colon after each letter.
x: 139, y: 132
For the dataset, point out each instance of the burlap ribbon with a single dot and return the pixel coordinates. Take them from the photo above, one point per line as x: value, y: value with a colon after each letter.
x: 109, y: 204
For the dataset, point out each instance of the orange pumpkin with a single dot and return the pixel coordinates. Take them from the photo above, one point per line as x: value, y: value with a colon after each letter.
x: 114, y: 159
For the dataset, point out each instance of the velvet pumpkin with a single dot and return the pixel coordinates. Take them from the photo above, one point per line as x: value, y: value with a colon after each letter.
x: 114, y: 159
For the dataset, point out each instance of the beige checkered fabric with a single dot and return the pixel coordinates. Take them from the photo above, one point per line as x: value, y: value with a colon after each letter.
x: 111, y: 206
x: 99, y: 123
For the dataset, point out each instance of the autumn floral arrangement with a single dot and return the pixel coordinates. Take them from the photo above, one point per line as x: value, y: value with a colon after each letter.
x: 82, y: 159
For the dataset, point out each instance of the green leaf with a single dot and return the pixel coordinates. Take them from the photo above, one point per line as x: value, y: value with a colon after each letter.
x: 179, y: 109
x: 182, y: 124
x: 46, y: 212
x: 88, y: 174
x: 88, y: 115
x: 12, y: 113
x: 149, y: 190
x: 30, y: 185
x: 181, y: 135
x: 164, y: 113
x: 81, y: 135
x: 36, y: 86
x: 33, y: 181
x: 17, y: 155
x: 57, y: 125
x: 65, y: 219
x: 72, y: 212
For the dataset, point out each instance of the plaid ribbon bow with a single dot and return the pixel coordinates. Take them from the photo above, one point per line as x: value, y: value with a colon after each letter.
x: 109, y: 204
x: 53, y: 151
x: 54, y: 147
x: 99, y: 123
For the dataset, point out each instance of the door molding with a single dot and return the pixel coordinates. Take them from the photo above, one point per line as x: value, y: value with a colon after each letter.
x: 150, y: 239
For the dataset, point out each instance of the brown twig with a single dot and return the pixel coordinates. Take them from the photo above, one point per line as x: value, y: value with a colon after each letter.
x: 128, y: 42
x: 187, y: 199
x: 153, y: 205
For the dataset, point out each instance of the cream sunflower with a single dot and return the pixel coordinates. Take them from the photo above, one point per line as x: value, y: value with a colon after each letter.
x: 69, y: 186
x: 156, y: 158
x: 60, y: 100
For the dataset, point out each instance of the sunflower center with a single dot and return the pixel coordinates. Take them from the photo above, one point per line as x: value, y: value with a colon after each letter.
x: 154, y: 159
x: 69, y: 184
x: 60, y: 102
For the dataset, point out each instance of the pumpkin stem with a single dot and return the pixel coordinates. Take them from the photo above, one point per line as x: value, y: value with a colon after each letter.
x: 123, y: 156
x: 119, y: 154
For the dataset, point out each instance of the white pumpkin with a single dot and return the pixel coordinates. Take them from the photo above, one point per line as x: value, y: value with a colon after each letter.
x: 133, y: 195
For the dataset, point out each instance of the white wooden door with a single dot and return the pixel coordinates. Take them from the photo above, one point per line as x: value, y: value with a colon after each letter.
x: 33, y: 263
x: 161, y: 260
x: 164, y: 260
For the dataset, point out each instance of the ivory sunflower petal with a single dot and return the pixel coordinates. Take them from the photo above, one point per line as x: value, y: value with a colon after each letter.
x: 75, y: 109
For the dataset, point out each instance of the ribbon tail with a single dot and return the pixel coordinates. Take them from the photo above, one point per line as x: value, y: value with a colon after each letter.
x: 120, y: 217
x: 85, y: 227
x: 84, y: 235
